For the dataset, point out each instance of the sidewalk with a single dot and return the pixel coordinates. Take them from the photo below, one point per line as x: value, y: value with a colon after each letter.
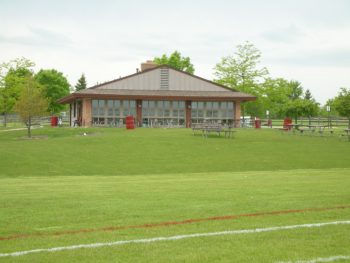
x: 21, y: 129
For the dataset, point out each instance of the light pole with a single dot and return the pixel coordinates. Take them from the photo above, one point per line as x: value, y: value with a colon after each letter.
x: 328, y: 108
x: 269, y: 123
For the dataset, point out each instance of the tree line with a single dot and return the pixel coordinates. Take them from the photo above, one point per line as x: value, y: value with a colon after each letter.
x: 20, y: 86
x: 32, y: 94
x: 276, y: 97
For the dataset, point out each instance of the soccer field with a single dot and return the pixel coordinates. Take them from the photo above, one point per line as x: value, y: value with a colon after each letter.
x: 155, y: 195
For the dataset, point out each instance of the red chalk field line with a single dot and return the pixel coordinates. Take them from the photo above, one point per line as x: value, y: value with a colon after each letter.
x: 172, y: 223
x: 174, y: 238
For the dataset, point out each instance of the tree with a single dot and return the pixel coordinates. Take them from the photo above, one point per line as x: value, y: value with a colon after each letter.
x: 275, y: 94
x: 296, y: 90
x: 176, y: 61
x: 81, y: 84
x: 31, y: 103
x: 342, y: 103
x: 55, y: 86
x: 301, y: 107
x: 308, y: 95
x: 12, y: 76
x: 241, y: 72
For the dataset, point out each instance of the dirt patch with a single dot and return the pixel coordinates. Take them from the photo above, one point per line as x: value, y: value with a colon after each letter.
x: 89, y: 134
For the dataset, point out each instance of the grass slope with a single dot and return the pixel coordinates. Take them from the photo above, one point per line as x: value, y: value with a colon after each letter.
x: 66, y: 182
x: 159, y: 151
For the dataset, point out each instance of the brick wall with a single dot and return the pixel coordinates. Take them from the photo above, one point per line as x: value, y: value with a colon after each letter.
x: 86, y: 113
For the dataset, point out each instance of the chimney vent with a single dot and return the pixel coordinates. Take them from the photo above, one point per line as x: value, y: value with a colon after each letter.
x: 149, y: 64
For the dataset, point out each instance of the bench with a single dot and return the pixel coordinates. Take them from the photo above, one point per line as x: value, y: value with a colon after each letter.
x: 345, y: 135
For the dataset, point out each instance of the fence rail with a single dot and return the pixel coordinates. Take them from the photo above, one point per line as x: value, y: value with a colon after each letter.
x: 14, y: 121
x: 333, y: 121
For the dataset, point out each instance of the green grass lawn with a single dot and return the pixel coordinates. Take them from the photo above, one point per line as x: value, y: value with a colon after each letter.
x: 55, y: 187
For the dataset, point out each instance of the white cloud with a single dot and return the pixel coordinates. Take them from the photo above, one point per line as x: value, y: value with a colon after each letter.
x: 108, y: 39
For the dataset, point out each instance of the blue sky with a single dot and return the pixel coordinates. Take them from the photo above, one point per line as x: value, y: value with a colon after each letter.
x: 305, y: 40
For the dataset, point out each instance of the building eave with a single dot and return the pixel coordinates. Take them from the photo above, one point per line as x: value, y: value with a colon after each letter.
x: 77, y: 96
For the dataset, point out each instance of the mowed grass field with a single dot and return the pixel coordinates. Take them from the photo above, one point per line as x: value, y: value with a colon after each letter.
x: 63, y: 189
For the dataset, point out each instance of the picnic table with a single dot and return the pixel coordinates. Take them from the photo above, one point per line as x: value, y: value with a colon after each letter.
x: 313, y: 128
x: 346, y: 134
x: 207, y: 128
x: 293, y: 127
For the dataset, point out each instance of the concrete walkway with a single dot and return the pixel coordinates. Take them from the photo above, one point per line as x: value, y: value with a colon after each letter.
x: 21, y: 129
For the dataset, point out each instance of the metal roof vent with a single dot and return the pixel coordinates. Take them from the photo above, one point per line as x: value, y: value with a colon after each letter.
x: 164, y: 78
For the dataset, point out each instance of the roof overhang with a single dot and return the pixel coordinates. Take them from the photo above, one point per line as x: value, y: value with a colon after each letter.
x: 159, y: 95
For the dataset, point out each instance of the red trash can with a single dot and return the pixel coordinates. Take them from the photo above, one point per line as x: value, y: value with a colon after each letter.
x: 130, y: 123
x: 54, y: 121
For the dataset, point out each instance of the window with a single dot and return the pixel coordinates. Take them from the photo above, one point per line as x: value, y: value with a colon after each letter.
x: 110, y: 107
x: 101, y: 108
x: 212, y: 111
x: 94, y: 107
x: 117, y: 108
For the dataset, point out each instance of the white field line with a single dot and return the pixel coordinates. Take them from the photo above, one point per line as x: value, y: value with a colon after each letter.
x: 158, y: 239
x: 317, y: 260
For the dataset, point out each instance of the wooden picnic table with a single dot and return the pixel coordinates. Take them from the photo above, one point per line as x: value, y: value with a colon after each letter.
x: 313, y: 129
x: 346, y: 134
x: 207, y: 128
x: 293, y: 127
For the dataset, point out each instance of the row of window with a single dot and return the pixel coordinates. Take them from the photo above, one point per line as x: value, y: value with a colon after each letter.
x: 212, y: 105
x: 163, y: 109
x: 113, y: 108
x: 112, y: 112
x: 212, y: 114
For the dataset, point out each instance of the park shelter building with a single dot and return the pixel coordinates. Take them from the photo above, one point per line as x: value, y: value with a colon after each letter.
x: 156, y: 96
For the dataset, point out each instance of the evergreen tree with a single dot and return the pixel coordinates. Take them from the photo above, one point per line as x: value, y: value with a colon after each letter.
x: 308, y: 95
x: 81, y: 84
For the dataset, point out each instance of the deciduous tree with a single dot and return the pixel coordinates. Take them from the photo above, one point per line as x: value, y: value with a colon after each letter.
x: 241, y: 72
x: 31, y: 103
x: 55, y: 86
x: 342, y: 103
x: 12, y: 76
x: 176, y: 61
x: 301, y: 107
